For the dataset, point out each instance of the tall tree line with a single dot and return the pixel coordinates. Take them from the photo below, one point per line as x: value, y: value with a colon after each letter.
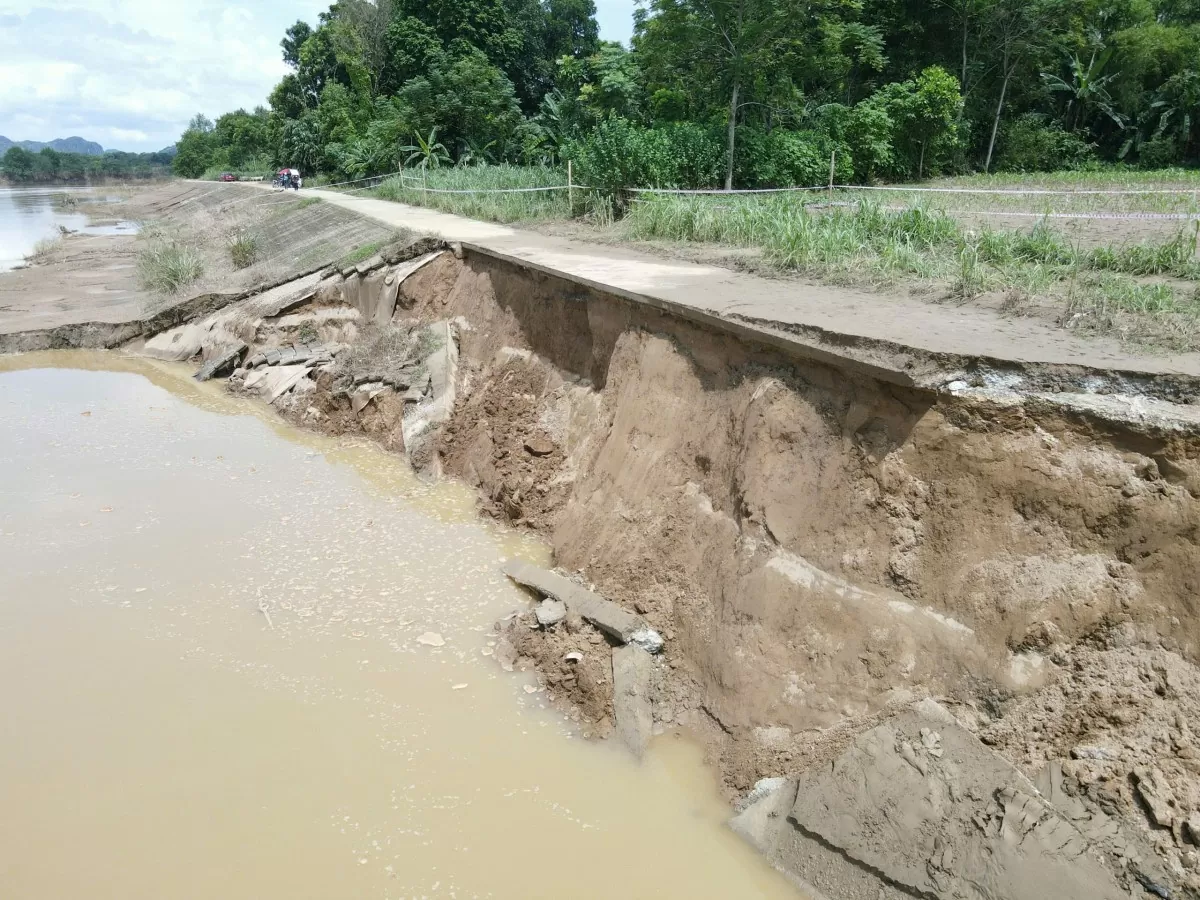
x: 743, y: 92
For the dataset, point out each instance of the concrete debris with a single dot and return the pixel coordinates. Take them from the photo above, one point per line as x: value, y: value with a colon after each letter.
x: 369, y: 265
x: 1155, y: 793
x: 610, y: 618
x: 965, y: 825
x: 1087, y: 752
x: 436, y: 403
x: 550, y: 612
x: 1191, y: 829
x: 222, y: 362
x: 432, y: 639
x: 364, y: 394
x: 648, y: 639
x: 272, y: 383
x: 763, y: 788
x: 506, y: 654
x: 574, y: 657
x: 632, y: 668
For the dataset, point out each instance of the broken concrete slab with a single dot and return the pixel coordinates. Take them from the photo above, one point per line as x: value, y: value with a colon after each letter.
x: 369, y: 265
x: 272, y: 383
x: 632, y: 669
x: 1156, y: 795
x: 436, y: 404
x: 221, y: 363
x: 365, y: 393
x: 964, y: 824
x: 613, y: 620
x: 550, y: 612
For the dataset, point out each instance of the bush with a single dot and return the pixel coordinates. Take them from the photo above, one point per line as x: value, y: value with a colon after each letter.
x: 244, y: 249
x: 1158, y: 153
x: 1032, y: 143
x: 619, y: 155
x: 167, y: 265
x: 784, y: 158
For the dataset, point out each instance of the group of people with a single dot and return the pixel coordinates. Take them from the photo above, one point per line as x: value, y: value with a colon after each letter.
x: 290, y: 178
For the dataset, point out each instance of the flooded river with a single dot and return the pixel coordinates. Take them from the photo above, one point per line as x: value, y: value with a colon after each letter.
x: 29, y: 215
x: 214, y: 683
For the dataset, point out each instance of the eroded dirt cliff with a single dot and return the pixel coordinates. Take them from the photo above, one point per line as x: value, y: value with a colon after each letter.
x: 819, y: 548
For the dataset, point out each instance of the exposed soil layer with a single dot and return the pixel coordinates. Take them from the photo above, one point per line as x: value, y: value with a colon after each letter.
x: 816, y: 546
x: 819, y: 548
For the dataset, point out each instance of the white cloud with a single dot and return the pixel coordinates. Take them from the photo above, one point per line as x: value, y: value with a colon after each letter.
x: 131, y: 73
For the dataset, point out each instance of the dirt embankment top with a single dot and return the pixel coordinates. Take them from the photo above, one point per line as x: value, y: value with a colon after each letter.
x: 903, y: 339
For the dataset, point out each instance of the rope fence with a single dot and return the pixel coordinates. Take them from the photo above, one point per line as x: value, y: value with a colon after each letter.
x: 645, y: 194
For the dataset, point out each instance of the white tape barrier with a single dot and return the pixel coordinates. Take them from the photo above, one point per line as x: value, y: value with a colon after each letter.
x: 1021, y: 192
x: 1016, y: 192
x: 722, y: 191
x: 523, y: 190
x: 1174, y: 217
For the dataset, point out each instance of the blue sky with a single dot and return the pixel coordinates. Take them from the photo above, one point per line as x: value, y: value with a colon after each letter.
x: 129, y: 74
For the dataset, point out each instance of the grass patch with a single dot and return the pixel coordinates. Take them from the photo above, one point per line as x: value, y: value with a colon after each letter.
x: 244, y: 249
x: 380, y: 350
x: 868, y: 243
x: 166, y: 265
x: 357, y: 255
x: 307, y: 202
x: 526, y: 206
x: 1158, y: 315
x: 44, y: 249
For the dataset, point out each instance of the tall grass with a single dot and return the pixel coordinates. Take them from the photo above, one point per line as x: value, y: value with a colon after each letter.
x: 244, y: 249
x: 516, y: 207
x: 44, y: 249
x: 166, y: 265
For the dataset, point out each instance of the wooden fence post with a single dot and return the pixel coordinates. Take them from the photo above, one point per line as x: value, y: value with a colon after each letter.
x: 570, y: 188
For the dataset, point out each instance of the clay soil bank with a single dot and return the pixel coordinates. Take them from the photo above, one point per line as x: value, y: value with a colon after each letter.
x: 819, y: 548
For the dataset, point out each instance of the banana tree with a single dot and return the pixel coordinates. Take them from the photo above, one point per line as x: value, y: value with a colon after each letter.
x: 1087, y: 89
x: 427, y: 153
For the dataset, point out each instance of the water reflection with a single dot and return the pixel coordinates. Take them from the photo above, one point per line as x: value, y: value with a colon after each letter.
x: 29, y: 215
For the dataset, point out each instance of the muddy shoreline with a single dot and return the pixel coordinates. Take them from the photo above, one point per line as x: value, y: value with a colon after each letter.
x: 820, y: 547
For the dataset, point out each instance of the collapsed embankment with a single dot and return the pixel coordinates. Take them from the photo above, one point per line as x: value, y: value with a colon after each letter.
x: 819, y: 548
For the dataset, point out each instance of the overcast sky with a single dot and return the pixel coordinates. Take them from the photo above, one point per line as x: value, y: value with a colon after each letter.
x: 129, y: 74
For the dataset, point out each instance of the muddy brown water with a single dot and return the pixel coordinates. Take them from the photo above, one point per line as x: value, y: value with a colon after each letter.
x: 160, y: 738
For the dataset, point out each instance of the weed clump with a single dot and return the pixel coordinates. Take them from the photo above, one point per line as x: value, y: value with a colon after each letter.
x: 167, y: 265
x: 244, y: 249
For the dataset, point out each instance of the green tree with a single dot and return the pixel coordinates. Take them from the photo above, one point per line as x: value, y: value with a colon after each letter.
x: 293, y: 39
x: 194, y: 150
x: 19, y: 164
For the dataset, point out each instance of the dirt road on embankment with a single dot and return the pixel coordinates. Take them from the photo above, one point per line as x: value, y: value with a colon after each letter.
x: 830, y: 531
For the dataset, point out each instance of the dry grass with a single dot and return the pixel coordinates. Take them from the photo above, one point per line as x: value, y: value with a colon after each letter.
x: 44, y: 250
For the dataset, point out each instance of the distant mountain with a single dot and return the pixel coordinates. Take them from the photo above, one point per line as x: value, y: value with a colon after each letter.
x: 63, y: 145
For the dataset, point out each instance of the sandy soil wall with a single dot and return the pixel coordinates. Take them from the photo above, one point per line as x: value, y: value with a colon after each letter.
x: 818, y: 548
x: 815, y: 544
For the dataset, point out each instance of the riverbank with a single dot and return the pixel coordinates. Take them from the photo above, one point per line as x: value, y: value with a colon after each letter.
x: 823, y: 534
x: 818, y: 548
x: 228, y: 613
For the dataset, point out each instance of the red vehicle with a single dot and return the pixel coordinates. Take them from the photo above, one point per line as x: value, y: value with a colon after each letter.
x: 228, y: 176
